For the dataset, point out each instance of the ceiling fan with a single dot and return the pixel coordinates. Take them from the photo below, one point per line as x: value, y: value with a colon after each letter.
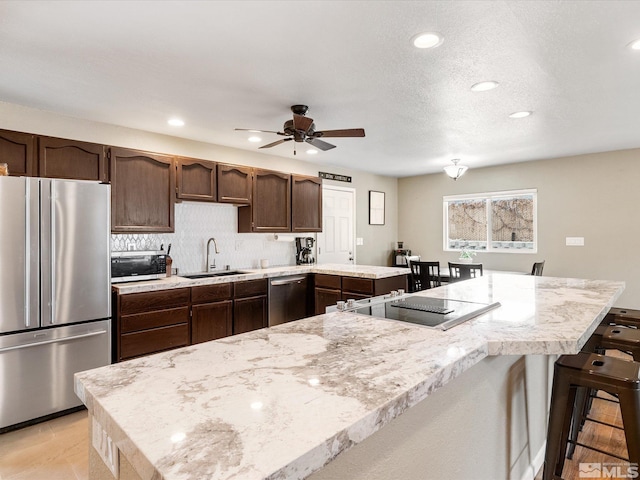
x: 302, y: 129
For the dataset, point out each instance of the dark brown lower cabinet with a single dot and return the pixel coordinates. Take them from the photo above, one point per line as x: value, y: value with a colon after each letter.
x: 249, y: 314
x: 151, y: 322
x: 211, y: 321
x: 331, y: 288
x: 325, y: 297
x: 249, y: 305
x: 154, y: 340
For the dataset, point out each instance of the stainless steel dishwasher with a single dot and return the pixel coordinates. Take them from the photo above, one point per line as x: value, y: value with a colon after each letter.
x: 288, y: 299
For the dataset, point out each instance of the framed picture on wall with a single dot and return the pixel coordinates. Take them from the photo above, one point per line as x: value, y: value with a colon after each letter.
x: 376, y: 208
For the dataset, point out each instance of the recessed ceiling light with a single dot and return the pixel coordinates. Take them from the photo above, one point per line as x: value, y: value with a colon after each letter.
x: 427, y: 40
x: 635, y: 45
x: 520, y: 114
x: 255, y: 139
x: 312, y: 151
x: 484, y: 86
x: 176, y: 122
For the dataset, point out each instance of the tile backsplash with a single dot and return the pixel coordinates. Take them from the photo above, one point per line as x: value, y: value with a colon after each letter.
x: 195, y: 223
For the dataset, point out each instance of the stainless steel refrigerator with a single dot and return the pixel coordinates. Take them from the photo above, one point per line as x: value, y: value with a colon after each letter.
x: 55, y: 292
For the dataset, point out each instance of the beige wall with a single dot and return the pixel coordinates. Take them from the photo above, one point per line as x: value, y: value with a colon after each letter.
x: 592, y: 196
x: 378, y: 240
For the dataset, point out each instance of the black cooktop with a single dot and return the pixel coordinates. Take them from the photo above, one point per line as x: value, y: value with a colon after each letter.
x: 431, y: 312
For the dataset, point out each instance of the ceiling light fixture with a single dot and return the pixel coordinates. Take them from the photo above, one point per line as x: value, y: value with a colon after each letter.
x: 455, y: 171
x: 255, y: 139
x: 312, y: 151
x: 427, y: 40
x: 484, y: 86
x: 522, y: 114
x: 176, y: 122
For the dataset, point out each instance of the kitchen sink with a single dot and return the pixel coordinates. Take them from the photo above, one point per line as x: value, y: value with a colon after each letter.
x: 223, y: 273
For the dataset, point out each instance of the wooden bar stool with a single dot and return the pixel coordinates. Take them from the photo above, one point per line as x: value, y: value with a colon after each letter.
x: 612, y: 375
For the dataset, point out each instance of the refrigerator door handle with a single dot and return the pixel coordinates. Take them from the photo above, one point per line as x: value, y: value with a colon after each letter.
x: 53, y: 340
x: 52, y: 264
x: 27, y: 256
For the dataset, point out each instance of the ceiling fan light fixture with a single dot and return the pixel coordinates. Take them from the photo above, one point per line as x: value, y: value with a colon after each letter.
x: 176, y: 122
x: 523, y: 114
x: 427, y: 40
x: 312, y: 151
x: 255, y: 139
x: 455, y: 171
x: 484, y: 86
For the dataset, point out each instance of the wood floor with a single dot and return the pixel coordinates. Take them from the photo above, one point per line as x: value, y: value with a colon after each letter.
x: 53, y: 450
x: 58, y: 449
x: 599, y: 436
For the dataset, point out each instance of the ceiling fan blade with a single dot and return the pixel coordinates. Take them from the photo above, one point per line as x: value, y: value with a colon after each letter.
x: 349, y: 132
x: 278, y: 142
x: 258, y: 131
x: 301, y: 123
x: 324, y: 146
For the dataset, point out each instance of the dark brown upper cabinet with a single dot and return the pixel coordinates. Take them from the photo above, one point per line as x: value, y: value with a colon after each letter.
x: 18, y: 151
x: 234, y: 184
x: 306, y: 204
x: 142, y: 191
x: 61, y: 158
x: 270, y: 210
x: 196, y: 179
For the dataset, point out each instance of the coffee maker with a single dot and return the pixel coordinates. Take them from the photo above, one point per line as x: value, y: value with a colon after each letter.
x: 304, y: 250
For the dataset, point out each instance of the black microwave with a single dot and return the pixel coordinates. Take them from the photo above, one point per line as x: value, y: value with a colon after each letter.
x: 137, y: 265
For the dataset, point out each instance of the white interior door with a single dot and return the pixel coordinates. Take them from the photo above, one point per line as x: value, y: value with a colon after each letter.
x: 336, y: 243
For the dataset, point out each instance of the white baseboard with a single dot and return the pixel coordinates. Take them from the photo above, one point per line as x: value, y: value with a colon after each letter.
x: 536, y: 464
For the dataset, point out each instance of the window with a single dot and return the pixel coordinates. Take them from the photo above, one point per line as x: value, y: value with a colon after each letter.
x: 492, y: 222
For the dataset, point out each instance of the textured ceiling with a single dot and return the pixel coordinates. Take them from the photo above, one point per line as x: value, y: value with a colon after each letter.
x: 226, y: 64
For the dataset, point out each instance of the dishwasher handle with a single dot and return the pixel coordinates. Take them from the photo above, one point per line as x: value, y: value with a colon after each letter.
x: 277, y: 283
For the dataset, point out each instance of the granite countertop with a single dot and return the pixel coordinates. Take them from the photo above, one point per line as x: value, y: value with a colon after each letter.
x: 361, y: 271
x: 323, y: 383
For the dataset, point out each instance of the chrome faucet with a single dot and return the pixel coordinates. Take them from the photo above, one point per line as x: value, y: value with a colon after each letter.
x: 213, y: 265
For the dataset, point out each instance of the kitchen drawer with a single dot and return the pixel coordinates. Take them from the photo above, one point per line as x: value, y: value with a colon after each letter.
x: 211, y: 293
x: 148, y: 301
x: 162, y: 318
x: 154, y: 340
x: 359, y: 285
x: 327, y: 281
x: 250, y: 288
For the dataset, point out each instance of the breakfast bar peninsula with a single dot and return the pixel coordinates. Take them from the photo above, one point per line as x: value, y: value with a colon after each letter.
x: 350, y: 396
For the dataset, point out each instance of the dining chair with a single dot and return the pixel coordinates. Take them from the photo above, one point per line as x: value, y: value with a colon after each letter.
x: 464, y: 271
x: 537, y: 268
x: 412, y: 279
x: 425, y: 275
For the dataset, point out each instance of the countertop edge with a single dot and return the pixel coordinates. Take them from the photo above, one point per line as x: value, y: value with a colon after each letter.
x: 358, y: 271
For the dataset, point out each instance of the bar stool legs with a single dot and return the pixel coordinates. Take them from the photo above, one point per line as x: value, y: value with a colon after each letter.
x: 613, y: 375
x: 604, y: 338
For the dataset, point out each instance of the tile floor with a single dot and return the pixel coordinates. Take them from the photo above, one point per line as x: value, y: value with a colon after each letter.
x: 53, y: 450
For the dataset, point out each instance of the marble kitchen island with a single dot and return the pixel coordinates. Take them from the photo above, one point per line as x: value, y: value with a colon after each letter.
x: 286, y: 401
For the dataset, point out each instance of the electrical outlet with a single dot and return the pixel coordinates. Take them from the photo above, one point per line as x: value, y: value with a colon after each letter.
x: 105, y: 447
x: 575, y: 241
